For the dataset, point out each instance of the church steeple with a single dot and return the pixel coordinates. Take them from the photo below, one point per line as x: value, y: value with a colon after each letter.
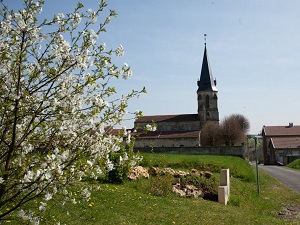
x: 207, y: 93
x: 206, y: 82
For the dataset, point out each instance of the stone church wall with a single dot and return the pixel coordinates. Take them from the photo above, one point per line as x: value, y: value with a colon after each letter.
x: 165, y: 142
x: 173, y: 126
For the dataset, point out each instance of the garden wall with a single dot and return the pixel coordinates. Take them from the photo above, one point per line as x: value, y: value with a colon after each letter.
x: 217, y: 150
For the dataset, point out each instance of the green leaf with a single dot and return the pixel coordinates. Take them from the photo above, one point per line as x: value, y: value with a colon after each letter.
x: 80, y: 5
x: 4, y: 56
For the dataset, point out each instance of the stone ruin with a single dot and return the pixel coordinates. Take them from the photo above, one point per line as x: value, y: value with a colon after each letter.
x: 182, y: 190
x: 188, y: 190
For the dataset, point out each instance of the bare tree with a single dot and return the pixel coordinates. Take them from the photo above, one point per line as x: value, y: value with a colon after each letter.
x: 233, y: 128
x: 210, y: 134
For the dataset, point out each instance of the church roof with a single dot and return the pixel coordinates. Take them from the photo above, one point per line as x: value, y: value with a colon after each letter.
x: 168, y: 118
x: 166, y: 134
x: 206, y: 82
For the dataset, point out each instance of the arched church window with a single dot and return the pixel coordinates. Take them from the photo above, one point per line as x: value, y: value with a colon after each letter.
x: 207, y: 115
x: 207, y: 102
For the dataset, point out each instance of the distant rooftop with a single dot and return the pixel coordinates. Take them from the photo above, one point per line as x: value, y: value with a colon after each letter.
x: 289, y: 130
x: 285, y: 142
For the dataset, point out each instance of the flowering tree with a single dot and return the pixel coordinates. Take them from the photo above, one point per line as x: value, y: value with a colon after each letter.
x: 56, y: 102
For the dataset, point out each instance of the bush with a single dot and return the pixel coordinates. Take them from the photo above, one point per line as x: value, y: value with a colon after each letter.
x: 123, y: 161
x: 295, y: 164
x: 208, y: 185
x: 161, y: 185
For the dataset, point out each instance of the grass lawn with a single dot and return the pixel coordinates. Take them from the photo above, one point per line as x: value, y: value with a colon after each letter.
x: 295, y: 164
x: 133, y: 203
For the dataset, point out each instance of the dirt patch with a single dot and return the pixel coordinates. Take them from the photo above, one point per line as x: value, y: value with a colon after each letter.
x: 290, y: 213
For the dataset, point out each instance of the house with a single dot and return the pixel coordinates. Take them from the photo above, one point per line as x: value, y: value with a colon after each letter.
x: 286, y: 149
x: 183, y: 129
x: 281, y: 144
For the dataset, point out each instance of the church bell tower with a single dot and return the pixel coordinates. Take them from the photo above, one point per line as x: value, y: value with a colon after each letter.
x: 207, y: 94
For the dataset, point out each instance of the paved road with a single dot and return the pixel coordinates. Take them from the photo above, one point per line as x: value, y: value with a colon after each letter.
x: 289, y: 177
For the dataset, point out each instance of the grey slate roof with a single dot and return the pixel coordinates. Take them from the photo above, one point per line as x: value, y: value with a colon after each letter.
x: 206, y: 82
x: 166, y: 134
x: 168, y: 118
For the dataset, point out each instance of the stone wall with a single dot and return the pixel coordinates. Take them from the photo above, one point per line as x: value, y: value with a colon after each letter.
x: 218, y: 150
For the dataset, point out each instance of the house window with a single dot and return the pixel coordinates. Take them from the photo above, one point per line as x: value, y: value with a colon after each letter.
x: 207, y: 102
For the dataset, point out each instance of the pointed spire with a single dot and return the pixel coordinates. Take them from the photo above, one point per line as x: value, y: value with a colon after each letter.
x: 206, y: 83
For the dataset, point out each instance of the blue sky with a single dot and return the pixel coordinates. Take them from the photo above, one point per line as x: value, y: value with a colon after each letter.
x: 253, y: 48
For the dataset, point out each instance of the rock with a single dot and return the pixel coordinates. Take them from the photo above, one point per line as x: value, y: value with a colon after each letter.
x: 176, y: 180
x: 180, y: 173
x: 168, y: 171
x: 154, y: 171
x: 178, y: 191
x: 207, y: 174
x: 194, y: 172
x: 187, y: 191
x: 138, y: 172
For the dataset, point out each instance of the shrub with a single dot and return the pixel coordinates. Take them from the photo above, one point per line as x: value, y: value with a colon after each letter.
x: 295, y: 164
x: 123, y: 160
x: 161, y: 185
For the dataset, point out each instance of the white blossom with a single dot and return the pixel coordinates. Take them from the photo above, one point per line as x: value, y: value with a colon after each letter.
x: 119, y: 50
x: 43, y: 206
x: 102, y: 47
x: 23, y: 215
x: 86, y: 193
x: 48, y: 196
x: 150, y: 127
x: 60, y: 16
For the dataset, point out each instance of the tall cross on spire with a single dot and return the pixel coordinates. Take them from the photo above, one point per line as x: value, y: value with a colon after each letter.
x: 205, y: 39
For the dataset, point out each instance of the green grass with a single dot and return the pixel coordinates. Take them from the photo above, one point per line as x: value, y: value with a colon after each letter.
x: 133, y: 203
x: 295, y: 164
x: 236, y: 165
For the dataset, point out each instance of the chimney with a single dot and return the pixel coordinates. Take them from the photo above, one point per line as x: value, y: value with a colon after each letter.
x: 291, y: 124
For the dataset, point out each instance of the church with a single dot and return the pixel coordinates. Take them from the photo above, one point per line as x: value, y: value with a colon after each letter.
x: 182, y: 130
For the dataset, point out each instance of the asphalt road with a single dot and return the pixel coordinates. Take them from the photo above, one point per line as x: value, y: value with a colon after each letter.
x: 289, y: 177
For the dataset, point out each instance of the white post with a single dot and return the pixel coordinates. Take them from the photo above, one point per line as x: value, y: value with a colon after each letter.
x: 225, y: 179
x: 224, y: 188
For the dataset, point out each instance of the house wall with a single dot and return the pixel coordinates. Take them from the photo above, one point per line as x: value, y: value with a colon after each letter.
x: 270, y: 157
x: 285, y: 156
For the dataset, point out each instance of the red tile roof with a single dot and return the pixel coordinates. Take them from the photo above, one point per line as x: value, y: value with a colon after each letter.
x: 168, y: 118
x: 167, y: 134
x: 281, y: 130
x: 283, y: 143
